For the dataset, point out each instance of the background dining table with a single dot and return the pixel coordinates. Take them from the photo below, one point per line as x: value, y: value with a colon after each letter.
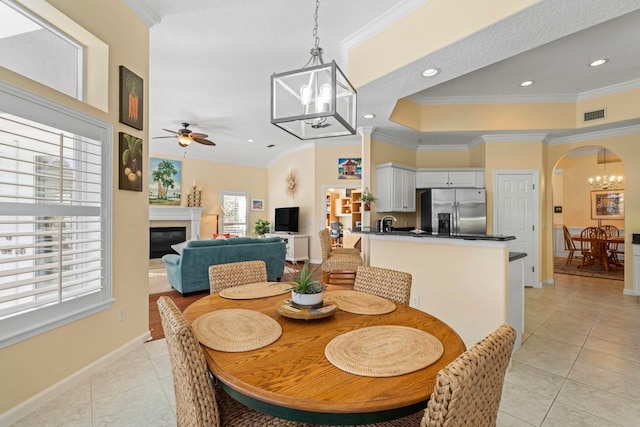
x: 607, y: 261
x: 291, y: 378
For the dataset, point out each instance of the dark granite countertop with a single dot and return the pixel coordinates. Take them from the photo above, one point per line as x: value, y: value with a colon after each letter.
x: 516, y: 255
x: 436, y: 236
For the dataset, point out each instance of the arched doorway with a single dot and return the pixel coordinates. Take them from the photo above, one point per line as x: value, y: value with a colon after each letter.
x: 578, y: 204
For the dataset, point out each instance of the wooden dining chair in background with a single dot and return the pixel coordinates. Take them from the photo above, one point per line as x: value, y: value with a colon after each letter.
x: 612, y: 247
x: 569, y: 244
x: 390, y: 284
x: 224, y: 276
x: 469, y: 389
x: 198, y: 402
x: 593, y: 247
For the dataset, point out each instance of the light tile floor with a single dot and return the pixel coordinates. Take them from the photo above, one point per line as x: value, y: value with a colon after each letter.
x: 578, y: 366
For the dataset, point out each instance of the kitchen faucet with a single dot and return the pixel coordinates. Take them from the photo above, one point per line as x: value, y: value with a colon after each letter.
x: 382, y: 222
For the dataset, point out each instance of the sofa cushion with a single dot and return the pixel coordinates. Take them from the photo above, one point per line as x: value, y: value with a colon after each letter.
x: 178, y: 247
x: 201, y: 243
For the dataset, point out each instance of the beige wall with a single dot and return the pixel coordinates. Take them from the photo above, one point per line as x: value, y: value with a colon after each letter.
x: 576, y: 207
x: 31, y: 366
x: 213, y: 178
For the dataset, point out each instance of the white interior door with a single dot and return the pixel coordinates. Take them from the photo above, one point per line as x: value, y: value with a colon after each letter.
x: 516, y: 201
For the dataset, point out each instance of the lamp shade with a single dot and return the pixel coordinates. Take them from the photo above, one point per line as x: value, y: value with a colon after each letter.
x: 217, y: 210
x: 314, y: 102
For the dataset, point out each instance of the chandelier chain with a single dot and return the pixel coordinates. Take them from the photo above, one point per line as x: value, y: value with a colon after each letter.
x: 315, y: 26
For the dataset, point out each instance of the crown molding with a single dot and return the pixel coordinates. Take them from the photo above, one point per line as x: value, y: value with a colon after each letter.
x: 393, y: 15
x: 394, y: 140
x: 458, y: 147
x: 620, y: 87
x: 521, y: 137
x: 595, y: 135
x: 144, y: 12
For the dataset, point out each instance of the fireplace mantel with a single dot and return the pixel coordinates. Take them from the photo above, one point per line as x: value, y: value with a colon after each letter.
x: 176, y: 213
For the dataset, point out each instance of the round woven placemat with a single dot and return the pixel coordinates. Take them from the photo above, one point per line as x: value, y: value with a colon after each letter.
x: 361, y: 302
x: 256, y: 290
x: 383, y: 351
x: 236, y: 329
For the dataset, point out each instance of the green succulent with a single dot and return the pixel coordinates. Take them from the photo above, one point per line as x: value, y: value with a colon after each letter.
x: 304, y: 282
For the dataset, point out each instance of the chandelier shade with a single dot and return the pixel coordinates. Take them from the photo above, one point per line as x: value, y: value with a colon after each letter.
x: 604, y: 181
x: 315, y: 101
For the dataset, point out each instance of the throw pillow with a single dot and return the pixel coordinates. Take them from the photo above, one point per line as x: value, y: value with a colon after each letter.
x: 178, y: 247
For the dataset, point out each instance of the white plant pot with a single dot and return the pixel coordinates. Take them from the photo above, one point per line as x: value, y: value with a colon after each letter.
x: 306, y: 299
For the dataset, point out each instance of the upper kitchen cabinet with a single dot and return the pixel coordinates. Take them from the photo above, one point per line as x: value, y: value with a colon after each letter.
x: 396, y: 187
x: 450, y: 178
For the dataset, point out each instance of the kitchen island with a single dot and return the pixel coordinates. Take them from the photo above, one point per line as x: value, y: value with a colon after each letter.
x: 463, y: 280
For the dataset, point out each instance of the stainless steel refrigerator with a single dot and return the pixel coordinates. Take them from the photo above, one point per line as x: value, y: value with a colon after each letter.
x: 454, y: 210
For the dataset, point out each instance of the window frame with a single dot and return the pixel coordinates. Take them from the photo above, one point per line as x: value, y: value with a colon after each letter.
x: 33, y: 107
x: 246, y: 200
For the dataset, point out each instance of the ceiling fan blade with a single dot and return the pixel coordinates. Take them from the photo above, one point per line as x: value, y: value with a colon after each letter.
x: 157, y: 137
x: 204, y: 141
x: 198, y: 135
x: 172, y: 131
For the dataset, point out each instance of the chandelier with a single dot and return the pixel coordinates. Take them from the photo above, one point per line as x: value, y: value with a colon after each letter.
x: 605, y: 181
x: 315, y: 101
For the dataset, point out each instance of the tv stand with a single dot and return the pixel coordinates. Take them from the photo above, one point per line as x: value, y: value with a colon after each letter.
x: 297, y: 246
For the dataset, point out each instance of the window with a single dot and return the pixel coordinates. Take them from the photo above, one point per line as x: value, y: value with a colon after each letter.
x: 235, y: 208
x: 36, y: 49
x: 55, y: 215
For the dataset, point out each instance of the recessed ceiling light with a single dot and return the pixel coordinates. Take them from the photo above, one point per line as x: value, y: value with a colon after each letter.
x: 430, y: 72
x: 598, y: 62
x: 369, y: 116
x: 249, y: 140
x: 526, y: 83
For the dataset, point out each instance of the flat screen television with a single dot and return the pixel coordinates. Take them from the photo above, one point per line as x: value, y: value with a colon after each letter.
x: 287, y: 219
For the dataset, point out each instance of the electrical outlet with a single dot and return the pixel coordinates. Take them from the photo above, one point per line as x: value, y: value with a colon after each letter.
x: 415, y: 302
x: 123, y: 314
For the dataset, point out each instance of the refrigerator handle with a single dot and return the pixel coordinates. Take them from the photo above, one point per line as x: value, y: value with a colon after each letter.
x: 457, y: 217
x: 454, y: 219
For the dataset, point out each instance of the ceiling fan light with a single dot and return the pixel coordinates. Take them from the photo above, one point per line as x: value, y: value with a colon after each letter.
x: 184, y: 140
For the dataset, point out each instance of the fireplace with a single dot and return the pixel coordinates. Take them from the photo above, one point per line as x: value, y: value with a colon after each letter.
x: 161, y: 239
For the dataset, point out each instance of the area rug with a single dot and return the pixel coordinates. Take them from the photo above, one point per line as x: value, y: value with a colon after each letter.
x: 559, y: 266
x: 158, y: 281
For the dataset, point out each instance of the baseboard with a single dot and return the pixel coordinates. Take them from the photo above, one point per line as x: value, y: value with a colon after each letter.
x: 30, y: 405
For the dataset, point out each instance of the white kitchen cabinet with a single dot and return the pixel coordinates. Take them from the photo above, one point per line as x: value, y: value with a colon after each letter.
x: 396, y: 187
x: 458, y: 178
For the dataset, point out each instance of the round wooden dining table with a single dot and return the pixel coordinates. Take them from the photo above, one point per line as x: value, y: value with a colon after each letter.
x: 291, y: 378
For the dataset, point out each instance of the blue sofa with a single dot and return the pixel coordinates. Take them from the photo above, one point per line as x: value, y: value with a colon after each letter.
x: 189, y: 272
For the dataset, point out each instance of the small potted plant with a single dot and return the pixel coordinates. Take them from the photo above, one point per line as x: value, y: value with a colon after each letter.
x: 307, y: 291
x: 262, y: 227
x: 367, y: 198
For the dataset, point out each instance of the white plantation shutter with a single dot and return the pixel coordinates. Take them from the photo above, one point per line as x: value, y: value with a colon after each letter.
x: 54, y: 219
x: 236, y: 213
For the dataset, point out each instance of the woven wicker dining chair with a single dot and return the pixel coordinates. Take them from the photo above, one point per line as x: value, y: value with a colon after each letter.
x: 468, y: 390
x: 390, y: 284
x: 223, y: 276
x: 336, y: 259
x: 198, y: 402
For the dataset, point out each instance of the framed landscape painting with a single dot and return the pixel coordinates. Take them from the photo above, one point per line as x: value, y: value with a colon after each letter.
x: 131, y: 97
x: 350, y: 168
x: 607, y: 204
x: 165, y: 186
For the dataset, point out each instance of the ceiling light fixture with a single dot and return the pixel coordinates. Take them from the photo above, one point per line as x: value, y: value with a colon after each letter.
x: 430, y: 72
x: 598, y: 62
x: 315, y: 101
x: 605, y: 182
x: 184, y: 140
x: 369, y: 116
x: 526, y: 83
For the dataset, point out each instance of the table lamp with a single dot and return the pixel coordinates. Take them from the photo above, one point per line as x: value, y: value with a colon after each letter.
x: 217, y: 211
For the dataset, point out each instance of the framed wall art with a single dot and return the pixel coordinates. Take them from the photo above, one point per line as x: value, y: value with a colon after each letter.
x: 607, y: 204
x: 131, y: 97
x: 350, y: 168
x: 257, y: 204
x: 165, y: 185
x: 130, y: 162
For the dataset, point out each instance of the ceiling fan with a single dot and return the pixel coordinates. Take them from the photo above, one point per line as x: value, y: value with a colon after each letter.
x: 186, y: 136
